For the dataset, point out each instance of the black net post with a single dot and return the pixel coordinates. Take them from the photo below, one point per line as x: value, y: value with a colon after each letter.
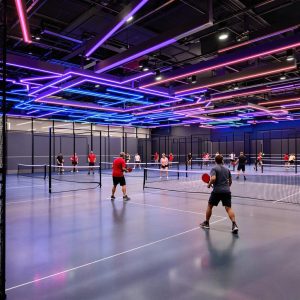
x: 146, y: 150
x: 296, y: 153
x: 100, y: 154
x: 3, y: 147
x: 50, y: 160
x: 192, y: 151
x: 32, y: 145
x: 144, y: 179
x: 92, y: 138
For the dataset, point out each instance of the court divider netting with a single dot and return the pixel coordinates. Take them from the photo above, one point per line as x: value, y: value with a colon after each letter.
x: 277, y: 188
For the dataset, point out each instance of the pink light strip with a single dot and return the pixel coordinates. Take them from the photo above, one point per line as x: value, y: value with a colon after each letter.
x: 217, y: 66
x: 258, y: 39
x: 23, y: 21
x: 238, y: 79
x: 279, y: 101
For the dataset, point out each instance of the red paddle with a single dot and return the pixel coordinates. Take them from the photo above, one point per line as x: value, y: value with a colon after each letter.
x: 205, y: 178
x: 129, y: 170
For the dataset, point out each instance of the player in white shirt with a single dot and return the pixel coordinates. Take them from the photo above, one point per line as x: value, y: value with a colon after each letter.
x: 164, y: 165
x: 137, y: 161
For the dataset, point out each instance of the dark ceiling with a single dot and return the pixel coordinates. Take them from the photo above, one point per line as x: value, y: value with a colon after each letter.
x: 251, y: 76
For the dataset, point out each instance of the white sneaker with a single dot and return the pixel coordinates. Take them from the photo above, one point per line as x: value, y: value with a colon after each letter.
x: 167, y: 177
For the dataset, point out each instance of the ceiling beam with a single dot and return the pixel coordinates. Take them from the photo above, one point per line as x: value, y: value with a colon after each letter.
x: 158, y: 42
x: 230, y: 59
x: 109, y: 30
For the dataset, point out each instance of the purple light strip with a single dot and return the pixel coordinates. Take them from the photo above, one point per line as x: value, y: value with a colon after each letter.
x: 291, y: 105
x: 39, y: 78
x: 50, y: 84
x: 137, y: 55
x: 155, y: 91
x: 78, y: 104
x: 114, y: 29
x: 32, y: 112
x: 31, y: 68
x: 137, y: 77
x: 51, y: 113
x: 92, y: 77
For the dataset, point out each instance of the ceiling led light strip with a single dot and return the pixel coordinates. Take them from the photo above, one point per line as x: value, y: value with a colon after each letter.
x: 227, y: 63
x: 238, y: 79
x: 116, y: 28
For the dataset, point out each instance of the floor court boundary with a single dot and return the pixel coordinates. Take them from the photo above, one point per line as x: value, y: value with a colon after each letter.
x: 167, y: 208
x: 111, y: 256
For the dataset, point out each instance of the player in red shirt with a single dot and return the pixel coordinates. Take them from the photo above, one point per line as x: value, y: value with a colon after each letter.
x: 171, y: 158
x: 118, y: 169
x: 91, y: 159
x: 286, y: 160
x: 74, y: 161
x: 156, y: 157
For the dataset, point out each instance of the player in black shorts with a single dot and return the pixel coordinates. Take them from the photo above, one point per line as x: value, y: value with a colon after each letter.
x: 220, y: 179
x: 60, y: 163
x: 241, y: 161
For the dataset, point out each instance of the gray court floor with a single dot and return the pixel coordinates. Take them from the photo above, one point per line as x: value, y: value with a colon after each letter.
x: 80, y: 245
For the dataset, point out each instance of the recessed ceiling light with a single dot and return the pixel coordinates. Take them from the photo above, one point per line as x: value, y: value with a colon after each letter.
x: 290, y: 58
x: 129, y: 19
x: 236, y: 87
x: 97, y: 85
x: 158, y: 75
x: 282, y: 77
x: 223, y: 36
x: 37, y: 38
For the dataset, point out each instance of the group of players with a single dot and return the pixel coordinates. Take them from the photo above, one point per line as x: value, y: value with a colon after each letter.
x: 75, y: 161
x: 220, y: 180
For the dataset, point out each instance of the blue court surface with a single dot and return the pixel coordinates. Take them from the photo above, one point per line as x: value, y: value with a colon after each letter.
x: 81, y: 245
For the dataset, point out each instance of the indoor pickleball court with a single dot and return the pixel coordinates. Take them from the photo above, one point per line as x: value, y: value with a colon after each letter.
x: 149, y: 150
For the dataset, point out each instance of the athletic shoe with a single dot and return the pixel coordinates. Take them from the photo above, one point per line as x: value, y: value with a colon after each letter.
x: 205, y: 225
x: 126, y: 198
x: 112, y: 197
x: 235, y: 229
x: 167, y: 177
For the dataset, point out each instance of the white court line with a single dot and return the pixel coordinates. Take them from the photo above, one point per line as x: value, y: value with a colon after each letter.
x: 25, y: 186
x: 110, y: 257
x: 168, y: 208
x: 41, y: 199
x: 279, y: 200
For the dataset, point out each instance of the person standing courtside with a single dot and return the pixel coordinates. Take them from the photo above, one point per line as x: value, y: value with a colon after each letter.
x: 220, y: 179
x: 241, y: 162
x: 137, y: 161
x: 91, y: 159
x: 60, y: 163
x: 118, y: 169
x: 74, y: 161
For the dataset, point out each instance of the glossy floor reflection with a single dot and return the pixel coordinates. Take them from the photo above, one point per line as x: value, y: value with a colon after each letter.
x: 79, y: 245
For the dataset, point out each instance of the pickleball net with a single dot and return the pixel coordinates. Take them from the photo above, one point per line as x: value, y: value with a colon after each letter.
x: 277, y: 188
x: 137, y: 168
x: 73, y: 178
x: 33, y: 171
